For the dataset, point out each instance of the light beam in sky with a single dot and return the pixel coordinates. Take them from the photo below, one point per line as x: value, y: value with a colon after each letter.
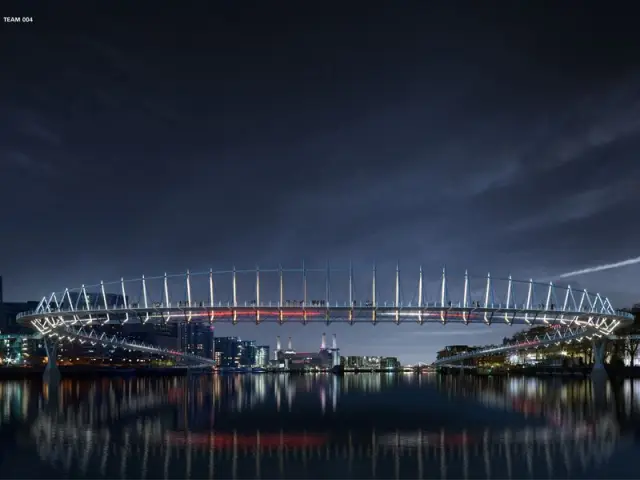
x: 608, y: 266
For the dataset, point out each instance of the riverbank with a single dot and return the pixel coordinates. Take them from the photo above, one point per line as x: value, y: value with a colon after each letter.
x: 12, y: 372
x: 543, y: 371
x: 17, y: 373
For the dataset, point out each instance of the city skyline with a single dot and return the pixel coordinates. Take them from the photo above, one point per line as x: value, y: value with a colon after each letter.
x: 134, y: 143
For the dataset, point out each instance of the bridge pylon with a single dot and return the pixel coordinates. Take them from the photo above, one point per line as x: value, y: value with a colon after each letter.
x: 51, y: 373
x: 599, y: 352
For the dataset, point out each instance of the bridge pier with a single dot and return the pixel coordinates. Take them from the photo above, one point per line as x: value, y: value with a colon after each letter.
x: 599, y: 352
x: 51, y: 373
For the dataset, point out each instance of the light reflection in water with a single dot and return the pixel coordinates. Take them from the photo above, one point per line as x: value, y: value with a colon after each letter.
x: 231, y: 426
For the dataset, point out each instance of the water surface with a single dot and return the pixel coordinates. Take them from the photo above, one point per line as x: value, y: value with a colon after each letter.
x: 319, y: 426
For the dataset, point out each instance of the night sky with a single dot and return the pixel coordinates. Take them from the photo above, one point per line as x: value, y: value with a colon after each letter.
x: 137, y: 138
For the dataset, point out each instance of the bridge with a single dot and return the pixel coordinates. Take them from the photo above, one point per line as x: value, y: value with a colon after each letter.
x: 546, y: 339
x: 322, y: 295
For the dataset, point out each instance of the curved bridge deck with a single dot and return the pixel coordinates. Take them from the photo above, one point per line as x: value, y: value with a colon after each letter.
x: 174, y: 298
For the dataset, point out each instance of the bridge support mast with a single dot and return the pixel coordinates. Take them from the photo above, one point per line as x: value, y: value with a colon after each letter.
x: 51, y: 373
x: 420, y: 296
x: 397, y: 300
x: 327, y: 294
x: 374, y: 302
x: 257, y: 295
x: 351, y: 302
x: 234, y: 289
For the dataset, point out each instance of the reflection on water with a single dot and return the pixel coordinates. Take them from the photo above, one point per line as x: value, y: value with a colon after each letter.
x: 320, y: 426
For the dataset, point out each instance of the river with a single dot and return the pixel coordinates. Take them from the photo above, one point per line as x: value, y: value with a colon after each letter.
x: 320, y: 426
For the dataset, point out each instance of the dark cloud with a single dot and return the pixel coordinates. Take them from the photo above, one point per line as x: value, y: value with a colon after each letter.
x: 25, y: 164
x: 501, y: 138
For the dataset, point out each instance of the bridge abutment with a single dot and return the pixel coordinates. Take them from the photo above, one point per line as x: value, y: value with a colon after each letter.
x: 51, y: 373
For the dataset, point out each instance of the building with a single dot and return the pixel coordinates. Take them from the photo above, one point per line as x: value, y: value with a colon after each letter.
x: 166, y: 335
x: 309, y: 360
x: 228, y: 352
x: 232, y: 352
x: 2, y: 315
x: 197, y: 339
x: 453, y: 350
x: 249, y: 353
x: 9, y: 312
x: 262, y: 355
x: 357, y: 362
x: 324, y: 359
x: 292, y: 360
x: 390, y: 363
x: 21, y: 349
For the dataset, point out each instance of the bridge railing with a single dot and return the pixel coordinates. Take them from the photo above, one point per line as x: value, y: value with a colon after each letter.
x: 336, y: 305
x: 338, y: 290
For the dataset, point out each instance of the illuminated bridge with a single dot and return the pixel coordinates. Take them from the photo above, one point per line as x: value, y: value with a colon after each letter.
x: 321, y: 295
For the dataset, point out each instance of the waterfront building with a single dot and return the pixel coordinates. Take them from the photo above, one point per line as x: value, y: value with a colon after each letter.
x: 369, y: 362
x: 262, y: 355
x: 9, y: 312
x: 17, y: 349
x: 249, y: 353
x: 353, y: 361
x: 228, y: 352
x: 453, y: 350
x: 390, y: 363
x: 197, y: 339
x: 326, y: 358
x: 309, y: 360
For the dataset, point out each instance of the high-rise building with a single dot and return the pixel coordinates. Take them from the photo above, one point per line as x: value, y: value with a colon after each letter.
x: 389, y: 363
x: 9, y: 312
x: 249, y: 353
x: 230, y: 352
x: 21, y: 349
x: 197, y: 339
x: 262, y: 355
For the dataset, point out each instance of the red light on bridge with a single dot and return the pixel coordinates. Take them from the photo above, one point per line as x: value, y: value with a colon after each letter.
x: 249, y: 312
x: 227, y: 440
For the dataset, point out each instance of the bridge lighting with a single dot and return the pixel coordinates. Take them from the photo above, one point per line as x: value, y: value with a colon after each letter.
x: 420, y: 297
x: 487, y: 320
x: 397, y: 302
x: 594, y: 315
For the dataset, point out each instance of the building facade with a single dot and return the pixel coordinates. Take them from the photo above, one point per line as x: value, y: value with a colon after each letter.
x: 197, y: 339
x: 359, y: 362
x: 262, y: 355
x: 453, y: 350
x: 228, y: 352
x: 9, y: 312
